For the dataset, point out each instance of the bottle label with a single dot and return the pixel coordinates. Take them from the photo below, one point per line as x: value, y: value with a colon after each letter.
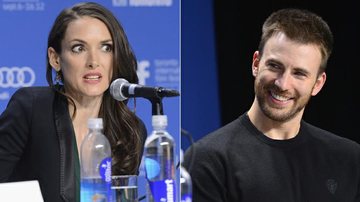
x: 105, y: 169
x: 186, y: 198
x: 163, y: 190
x: 152, y: 168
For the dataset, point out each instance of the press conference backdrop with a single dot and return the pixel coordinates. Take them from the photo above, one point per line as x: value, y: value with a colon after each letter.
x: 152, y: 27
x: 200, y: 103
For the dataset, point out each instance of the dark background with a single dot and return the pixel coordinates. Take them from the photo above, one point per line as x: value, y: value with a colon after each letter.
x: 218, y: 39
x: 238, y: 31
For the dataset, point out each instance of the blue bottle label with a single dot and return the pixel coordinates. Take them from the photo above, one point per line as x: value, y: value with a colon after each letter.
x: 152, y: 168
x: 186, y: 198
x: 105, y: 169
x: 163, y: 190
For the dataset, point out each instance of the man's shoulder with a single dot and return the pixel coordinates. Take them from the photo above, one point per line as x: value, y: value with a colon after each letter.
x: 219, y: 141
x: 331, y: 139
x: 211, y: 151
x: 220, y: 136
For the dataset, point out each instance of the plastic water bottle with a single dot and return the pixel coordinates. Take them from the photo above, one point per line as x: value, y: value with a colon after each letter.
x: 95, y: 161
x: 159, y: 162
x: 185, y: 182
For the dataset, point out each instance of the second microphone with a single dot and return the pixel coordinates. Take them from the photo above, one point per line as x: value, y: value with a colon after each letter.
x: 121, y: 89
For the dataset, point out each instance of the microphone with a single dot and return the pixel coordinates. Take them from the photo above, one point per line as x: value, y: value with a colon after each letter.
x: 121, y: 89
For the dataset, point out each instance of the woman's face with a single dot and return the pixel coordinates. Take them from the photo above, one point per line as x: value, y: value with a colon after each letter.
x: 86, y: 58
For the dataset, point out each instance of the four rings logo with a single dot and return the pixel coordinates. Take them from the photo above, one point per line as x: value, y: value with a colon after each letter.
x: 16, y: 77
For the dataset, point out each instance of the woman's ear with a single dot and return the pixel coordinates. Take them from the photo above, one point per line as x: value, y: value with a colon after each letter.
x: 54, y: 59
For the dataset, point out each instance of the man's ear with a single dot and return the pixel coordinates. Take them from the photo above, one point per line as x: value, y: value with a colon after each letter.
x: 54, y: 59
x: 320, y: 81
x: 255, y: 63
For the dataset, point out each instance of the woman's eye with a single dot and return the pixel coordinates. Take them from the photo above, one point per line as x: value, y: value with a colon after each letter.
x: 77, y: 49
x: 107, y: 48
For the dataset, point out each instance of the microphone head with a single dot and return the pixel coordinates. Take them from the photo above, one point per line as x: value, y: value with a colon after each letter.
x: 164, y: 92
x: 115, y: 89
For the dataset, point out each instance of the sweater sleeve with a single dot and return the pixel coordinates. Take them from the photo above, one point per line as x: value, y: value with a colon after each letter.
x: 14, y: 130
x: 207, y: 173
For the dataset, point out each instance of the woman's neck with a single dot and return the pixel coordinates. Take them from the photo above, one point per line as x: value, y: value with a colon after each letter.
x: 85, y: 109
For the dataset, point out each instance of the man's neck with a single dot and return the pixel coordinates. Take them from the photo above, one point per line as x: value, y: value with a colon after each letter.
x: 274, y: 129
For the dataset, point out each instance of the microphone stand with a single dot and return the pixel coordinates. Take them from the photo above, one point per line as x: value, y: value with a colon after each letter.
x: 156, y: 105
x: 156, y: 100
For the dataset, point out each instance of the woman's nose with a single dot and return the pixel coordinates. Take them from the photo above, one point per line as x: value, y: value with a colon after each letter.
x: 92, y: 60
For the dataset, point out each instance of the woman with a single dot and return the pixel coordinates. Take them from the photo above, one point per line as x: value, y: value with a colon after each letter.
x: 42, y: 128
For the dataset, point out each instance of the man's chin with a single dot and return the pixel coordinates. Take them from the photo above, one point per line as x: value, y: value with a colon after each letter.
x: 279, y: 115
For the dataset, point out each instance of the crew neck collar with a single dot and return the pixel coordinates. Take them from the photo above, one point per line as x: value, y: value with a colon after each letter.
x: 292, y: 142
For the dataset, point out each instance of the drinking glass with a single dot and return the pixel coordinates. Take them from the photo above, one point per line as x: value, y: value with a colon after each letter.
x: 125, y: 188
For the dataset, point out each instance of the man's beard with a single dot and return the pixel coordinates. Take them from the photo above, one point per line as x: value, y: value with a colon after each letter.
x: 262, y: 93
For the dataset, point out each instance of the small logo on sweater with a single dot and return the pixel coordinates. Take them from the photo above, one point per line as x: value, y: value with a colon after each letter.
x: 331, y: 185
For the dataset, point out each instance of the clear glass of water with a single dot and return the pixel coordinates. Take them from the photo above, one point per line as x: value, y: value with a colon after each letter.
x: 125, y: 188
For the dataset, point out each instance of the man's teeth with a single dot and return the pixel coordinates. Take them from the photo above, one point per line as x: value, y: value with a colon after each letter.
x: 279, y: 97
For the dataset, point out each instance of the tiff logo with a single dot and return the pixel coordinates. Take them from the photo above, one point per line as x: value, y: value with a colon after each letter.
x: 143, y: 71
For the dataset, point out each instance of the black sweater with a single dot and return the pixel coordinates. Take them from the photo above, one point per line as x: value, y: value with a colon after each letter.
x: 237, y: 163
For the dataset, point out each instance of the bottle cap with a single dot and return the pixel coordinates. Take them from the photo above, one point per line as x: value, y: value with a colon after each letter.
x: 95, y: 123
x: 159, y: 120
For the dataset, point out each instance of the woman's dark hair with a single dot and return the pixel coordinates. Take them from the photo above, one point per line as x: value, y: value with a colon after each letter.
x: 121, y: 126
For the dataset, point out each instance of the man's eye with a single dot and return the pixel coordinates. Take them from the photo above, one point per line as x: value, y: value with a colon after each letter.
x: 273, y: 66
x: 301, y: 74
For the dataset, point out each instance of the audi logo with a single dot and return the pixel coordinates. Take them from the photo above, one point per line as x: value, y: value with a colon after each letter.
x: 16, y: 77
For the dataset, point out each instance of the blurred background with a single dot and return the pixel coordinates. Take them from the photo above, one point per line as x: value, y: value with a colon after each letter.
x: 218, y: 39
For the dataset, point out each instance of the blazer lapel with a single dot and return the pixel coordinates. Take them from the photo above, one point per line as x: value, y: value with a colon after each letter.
x: 65, y: 132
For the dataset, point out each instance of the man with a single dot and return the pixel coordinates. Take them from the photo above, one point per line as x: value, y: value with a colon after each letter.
x: 269, y: 154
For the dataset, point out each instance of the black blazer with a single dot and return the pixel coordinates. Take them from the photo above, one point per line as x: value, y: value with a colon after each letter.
x: 36, y: 135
